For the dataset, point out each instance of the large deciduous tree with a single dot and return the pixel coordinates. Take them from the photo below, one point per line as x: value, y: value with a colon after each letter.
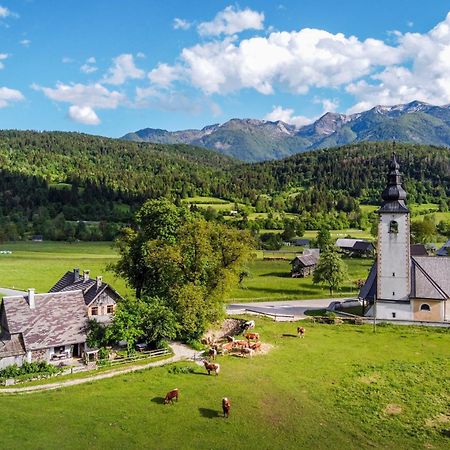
x: 186, y: 261
x: 330, y: 270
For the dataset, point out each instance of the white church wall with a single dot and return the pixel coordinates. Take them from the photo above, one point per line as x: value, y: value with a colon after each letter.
x: 391, y: 310
x: 393, y: 258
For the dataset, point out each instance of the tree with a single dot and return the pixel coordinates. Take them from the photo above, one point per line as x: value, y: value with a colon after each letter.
x: 186, y: 261
x: 330, y: 270
x: 423, y: 231
x: 324, y: 239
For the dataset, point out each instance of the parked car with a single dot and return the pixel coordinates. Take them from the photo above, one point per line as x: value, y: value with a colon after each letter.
x: 141, y: 347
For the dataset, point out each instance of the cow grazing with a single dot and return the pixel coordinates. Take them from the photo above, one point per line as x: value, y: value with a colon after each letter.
x: 227, y: 347
x: 301, y: 332
x: 255, y: 346
x: 212, y: 367
x: 229, y: 338
x: 171, y: 395
x: 248, y: 325
x: 212, y: 353
x: 247, y: 351
x: 226, y: 406
x: 251, y: 336
x: 240, y: 343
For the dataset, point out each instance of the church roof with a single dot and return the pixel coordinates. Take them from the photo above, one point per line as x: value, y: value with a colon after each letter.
x: 430, y: 278
x: 394, y: 195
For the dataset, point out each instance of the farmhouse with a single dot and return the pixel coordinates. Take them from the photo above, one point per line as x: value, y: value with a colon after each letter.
x: 52, y: 326
x: 355, y: 247
x: 99, y: 297
x: 304, y: 265
x: 401, y: 286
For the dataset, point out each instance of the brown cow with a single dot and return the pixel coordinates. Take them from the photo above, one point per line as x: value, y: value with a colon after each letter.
x: 255, y: 346
x: 171, y: 395
x: 240, y: 343
x: 251, y: 336
x: 226, y: 406
x: 212, y: 367
x: 301, y: 332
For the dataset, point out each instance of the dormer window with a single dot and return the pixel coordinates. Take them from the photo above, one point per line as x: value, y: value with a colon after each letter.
x: 424, y: 307
x: 393, y: 227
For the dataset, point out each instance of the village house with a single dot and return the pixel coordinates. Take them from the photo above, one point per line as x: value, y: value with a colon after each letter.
x: 304, y: 265
x: 53, y: 326
x: 100, y: 298
x: 401, y: 286
x: 355, y: 247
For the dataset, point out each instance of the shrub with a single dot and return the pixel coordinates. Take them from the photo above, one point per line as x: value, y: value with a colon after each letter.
x: 180, y: 369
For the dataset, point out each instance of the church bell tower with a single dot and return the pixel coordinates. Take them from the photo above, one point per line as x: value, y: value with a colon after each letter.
x: 393, y: 263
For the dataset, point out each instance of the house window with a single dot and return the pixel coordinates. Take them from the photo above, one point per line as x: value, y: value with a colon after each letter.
x: 394, y: 315
x: 393, y: 227
x: 425, y: 307
x: 94, y: 311
x: 393, y: 274
x: 110, y: 309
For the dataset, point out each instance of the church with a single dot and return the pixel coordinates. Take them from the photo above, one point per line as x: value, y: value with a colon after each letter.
x: 400, y: 286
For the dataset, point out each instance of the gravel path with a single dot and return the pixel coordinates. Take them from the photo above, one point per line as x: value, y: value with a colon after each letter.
x: 181, y: 352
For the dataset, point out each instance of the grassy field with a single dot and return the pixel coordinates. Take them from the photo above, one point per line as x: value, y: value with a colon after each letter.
x: 342, y: 387
x: 271, y: 280
x: 41, y: 264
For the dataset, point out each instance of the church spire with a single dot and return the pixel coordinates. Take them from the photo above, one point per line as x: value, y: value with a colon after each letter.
x: 394, y: 195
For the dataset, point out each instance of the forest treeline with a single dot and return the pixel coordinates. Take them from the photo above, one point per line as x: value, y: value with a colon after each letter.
x: 77, y: 186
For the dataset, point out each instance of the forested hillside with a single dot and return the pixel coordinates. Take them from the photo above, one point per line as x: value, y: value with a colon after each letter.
x: 76, y: 186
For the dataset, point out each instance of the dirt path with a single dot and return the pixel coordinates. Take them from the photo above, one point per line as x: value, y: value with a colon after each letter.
x: 181, y: 352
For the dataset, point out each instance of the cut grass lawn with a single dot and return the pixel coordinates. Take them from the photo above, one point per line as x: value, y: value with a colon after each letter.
x: 342, y: 387
x: 41, y: 264
x: 271, y: 280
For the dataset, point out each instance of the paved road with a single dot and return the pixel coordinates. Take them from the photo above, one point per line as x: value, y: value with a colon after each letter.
x: 294, y: 308
x: 7, y: 292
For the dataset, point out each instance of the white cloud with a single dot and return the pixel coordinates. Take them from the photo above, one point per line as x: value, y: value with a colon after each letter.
x: 122, y: 70
x: 8, y: 96
x: 426, y: 77
x: 328, y: 104
x: 88, y: 66
x: 67, y: 60
x: 83, y: 114
x: 84, y: 98
x: 140, y: 55
x: 231, y: 21
x: 164, y: 75
x: 3, y: 56
x: 5, y: 12
x: 287, y: 116
x: 181, y: 24
x: 25, y: 42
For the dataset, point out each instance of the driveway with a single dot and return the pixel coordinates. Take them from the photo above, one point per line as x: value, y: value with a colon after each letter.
x: 294, y: 308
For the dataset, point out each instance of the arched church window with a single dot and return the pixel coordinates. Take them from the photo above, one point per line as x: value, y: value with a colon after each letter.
x: 425, y: 307
x: 393, y: 227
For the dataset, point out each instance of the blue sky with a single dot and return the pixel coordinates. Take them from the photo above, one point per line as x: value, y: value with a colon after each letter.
x: 112, y: 66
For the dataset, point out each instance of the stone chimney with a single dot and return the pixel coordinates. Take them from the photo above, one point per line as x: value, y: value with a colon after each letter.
x: 76, y: 275
x: 86, y: 275
x: 99, y: 282
x: 30, y: 298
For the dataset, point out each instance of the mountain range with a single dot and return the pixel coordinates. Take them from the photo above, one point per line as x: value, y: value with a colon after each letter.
x: 259, y: 140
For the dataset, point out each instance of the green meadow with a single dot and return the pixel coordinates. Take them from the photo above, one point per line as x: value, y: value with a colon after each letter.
x: 271, y: 280
x: 341, y: 387
x: 41, y: 264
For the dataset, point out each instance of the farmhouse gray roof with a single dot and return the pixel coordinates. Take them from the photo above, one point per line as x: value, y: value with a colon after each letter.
x: 57, y: 319
x: 12, y: 346
x: 72, y: 281
x: 444, y: 250
x: 306, y: 260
